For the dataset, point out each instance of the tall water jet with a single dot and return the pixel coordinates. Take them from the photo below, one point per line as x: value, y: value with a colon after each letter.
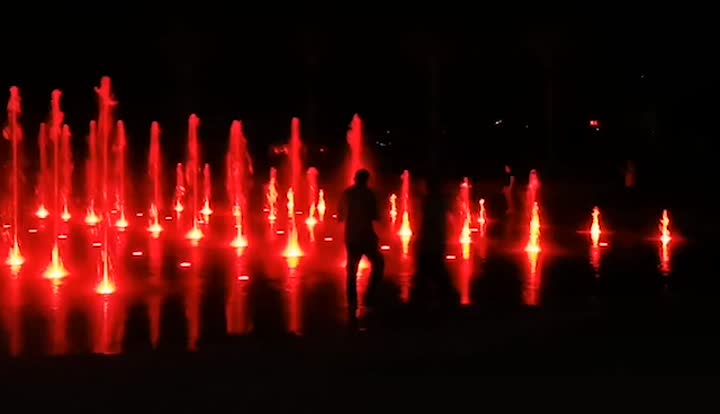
x: 533, y: 244
x: 405, y: 231
x: 295, y: 154
x: 393, y: 210
x: 13, y: 132
x: 56, y: 270
x: 356, y: 142
x: 178, y: 205
x: 155, y: 168
x: 595, y: 238
x: 595, y: 227
x: 207, y: 191
x: 92, y: 166
x: 42, y: 181
x: 321, y: 208
x: 106, y: 103
x: 271, y: 197
x: 192, y: 170
x: 465, y: 239
x: 121, y: 149
x: 665, y: 239
x: 239, y: 167
x: 292, y: 251
x: 67, y: 169
x: 482, y: 216
x: 533, y: 251
x: 311, y: 221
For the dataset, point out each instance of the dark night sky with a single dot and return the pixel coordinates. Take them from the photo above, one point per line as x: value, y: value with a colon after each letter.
x: 652, y: 87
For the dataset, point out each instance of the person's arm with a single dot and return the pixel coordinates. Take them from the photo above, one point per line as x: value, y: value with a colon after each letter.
x: 342, y: 208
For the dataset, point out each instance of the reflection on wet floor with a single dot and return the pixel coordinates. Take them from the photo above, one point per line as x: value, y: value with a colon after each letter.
x: 177, y: 297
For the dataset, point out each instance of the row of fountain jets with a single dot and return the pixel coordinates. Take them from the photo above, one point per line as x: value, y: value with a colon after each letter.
x: 106, y: 195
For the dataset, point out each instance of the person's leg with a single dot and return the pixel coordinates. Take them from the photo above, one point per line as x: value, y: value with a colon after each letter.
x: 353, y: 261
x: 377, y: 264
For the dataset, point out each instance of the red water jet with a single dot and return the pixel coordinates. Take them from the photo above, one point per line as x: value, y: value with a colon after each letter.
x: 155, y: 168
x: 13, y: 132
x: 121, y: 150
x: 355, y: 140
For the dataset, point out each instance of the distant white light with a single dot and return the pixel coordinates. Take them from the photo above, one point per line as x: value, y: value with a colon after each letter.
x: 498, y: 122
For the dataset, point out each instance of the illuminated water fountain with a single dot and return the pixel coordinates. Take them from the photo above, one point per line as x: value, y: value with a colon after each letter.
x: 13, y: 132
x: 155, y: 168
x: 311, y: 221
x: 192, y: 168
x: 405, y: 231
x: 465, y: 239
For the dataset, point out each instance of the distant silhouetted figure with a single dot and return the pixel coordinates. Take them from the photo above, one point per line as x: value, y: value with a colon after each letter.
x: 358, y: 210
x: 509, y: 190
x: 630, y: 175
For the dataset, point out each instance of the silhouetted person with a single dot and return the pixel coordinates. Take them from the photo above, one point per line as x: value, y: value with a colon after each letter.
x: 358, y: 210
x: 509, y: 190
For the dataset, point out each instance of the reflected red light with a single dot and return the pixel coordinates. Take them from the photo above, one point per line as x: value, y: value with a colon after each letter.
x: 603, y: 244
x: 280, y: 232
x: 185, y: 265
x: 62, y: 236
x: 334, y: 216
x: 6, y: 226
x: 473, y: 229
x: 168, y: 218
x: 137, y: 253
x: 243, y: 277
x: 451, y: 257
x: 328, y: 239
x: 384, y: 247
x: 97, y: 244
x: 32, y: 231
x: 139, y: 214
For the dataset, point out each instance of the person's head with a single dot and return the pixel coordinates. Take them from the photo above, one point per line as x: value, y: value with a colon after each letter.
x: 362, y: 177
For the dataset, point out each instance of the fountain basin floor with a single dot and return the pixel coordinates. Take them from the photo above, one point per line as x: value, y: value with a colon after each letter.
x: 193, y: 313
